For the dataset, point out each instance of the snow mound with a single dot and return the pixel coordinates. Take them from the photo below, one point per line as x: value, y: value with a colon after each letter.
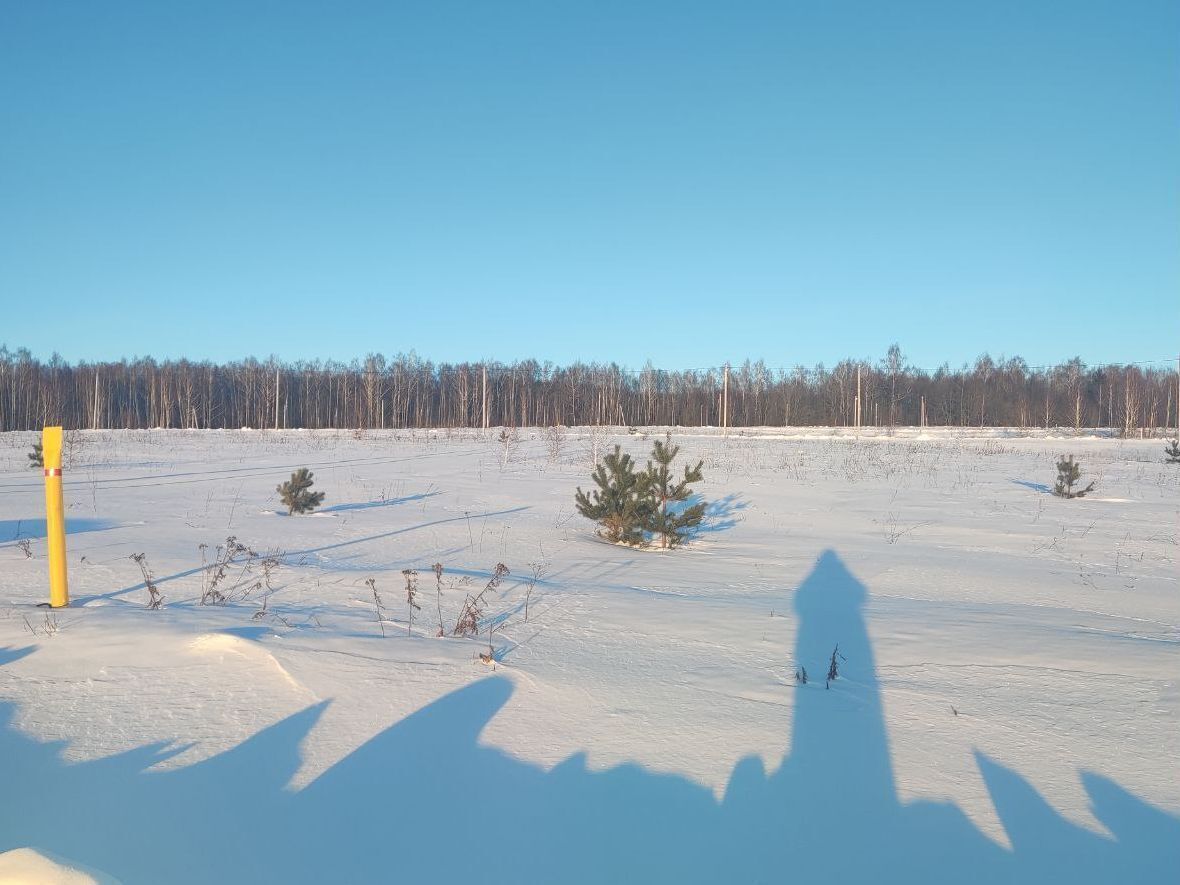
x: 227, y: 643
x: 28, y: 866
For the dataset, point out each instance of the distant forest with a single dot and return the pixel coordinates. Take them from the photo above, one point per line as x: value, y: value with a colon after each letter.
x: 406, y: 391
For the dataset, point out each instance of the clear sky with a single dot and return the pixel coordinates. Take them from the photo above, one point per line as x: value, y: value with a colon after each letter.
x: 610, y: 180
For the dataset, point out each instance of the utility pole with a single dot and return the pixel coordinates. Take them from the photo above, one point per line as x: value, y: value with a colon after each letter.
x: 858, y: 399
x: 1178, y: 396
x: 276, y: 398
x: 94, y: 421
x: 725, y: 402
x: 485, y: 396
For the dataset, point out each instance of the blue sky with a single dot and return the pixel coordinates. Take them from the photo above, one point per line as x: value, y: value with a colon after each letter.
x: 619, y: 181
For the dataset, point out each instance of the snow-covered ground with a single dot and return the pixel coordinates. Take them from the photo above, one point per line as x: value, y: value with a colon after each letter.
x: 1008, y: 707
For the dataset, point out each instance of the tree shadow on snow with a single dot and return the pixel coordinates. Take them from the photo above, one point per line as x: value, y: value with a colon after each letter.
x: 720, y: 515
x: 1035, y: 486
x: 425, y: 801
x: 370, y: 505
x: 309, y: 551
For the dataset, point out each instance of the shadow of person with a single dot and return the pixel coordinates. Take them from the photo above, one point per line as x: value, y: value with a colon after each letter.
x: 425, y: 801
x: 831, y: 810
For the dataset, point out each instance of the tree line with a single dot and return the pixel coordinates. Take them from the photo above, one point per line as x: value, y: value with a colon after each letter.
x: 407, y: 391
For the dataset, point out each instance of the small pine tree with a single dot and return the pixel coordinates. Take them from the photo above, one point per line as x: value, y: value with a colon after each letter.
x: 36, y: 457
x: 671, y: 527
x: 621, y: 504
x: 1068, y: 474
x: 1172, y: 450
x: 296, y: 492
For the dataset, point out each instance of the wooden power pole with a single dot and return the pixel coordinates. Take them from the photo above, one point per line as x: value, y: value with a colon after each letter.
x: 485, y: 396
x: 94, y: 421
x: 858, y: 400
x: 725, y: 402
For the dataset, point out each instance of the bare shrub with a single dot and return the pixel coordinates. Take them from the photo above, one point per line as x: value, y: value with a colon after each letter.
x: 833, y: 667
x: 154, y: 597
x: 437, y: 568
x: 467, y: 624
x: 411, y: 577
x: 894, y: 531
x: 377, y: 605
x: 48, y: 628
x: 507, y: 439
x: 228, y: 573
x: 555, y: 441
x: 539, y: 570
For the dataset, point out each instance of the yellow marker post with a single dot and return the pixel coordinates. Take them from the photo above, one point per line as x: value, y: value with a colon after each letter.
x: 55, y: 517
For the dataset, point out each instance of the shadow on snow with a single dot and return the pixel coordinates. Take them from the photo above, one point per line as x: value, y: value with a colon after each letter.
x: 370, y: 505
x: 424, y: 801
x: 721, y: 515
x: 1035, y: 486
x: 295, y: 554
x: 12, y: 530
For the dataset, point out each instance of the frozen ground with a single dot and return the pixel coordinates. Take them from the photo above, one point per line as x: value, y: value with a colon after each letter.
x: 1008, y: 707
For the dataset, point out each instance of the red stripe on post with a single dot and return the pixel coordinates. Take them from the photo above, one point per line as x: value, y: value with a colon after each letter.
x: 53, y: 471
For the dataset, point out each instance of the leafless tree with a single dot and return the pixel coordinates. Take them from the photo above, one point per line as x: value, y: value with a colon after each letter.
x: 406, y: 391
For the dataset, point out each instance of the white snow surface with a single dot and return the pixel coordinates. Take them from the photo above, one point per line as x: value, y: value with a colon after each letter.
x: 1008, y: 704
x: 27, y: 866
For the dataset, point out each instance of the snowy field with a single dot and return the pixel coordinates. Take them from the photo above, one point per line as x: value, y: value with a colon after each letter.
x: 1007, y: 709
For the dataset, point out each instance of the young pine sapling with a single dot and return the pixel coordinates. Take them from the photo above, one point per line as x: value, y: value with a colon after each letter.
x: 671, y: 527
x: 296, y: 492
x: 1069, y: 472
x: 621, y: 504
